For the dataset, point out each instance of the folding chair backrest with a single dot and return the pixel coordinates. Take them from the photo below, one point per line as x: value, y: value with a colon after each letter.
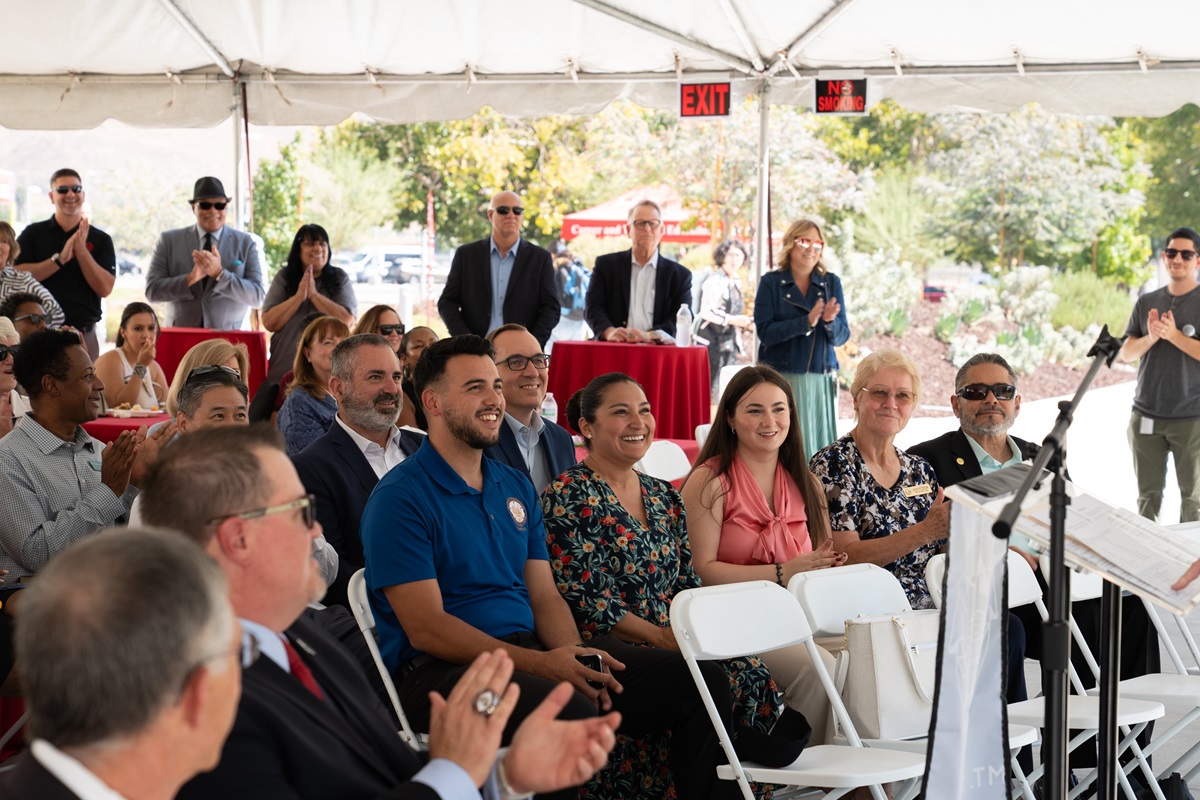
x: 831, y: 596
x: 935, y: 577
x: 1023, y: 586
x: 356, y: 591
x: 702, y: 433
x: 1084, y: 585
x: 665, y: 460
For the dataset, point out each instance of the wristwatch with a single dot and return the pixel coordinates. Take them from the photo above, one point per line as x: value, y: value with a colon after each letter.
x: 54, y: 258
x: 139, y: 370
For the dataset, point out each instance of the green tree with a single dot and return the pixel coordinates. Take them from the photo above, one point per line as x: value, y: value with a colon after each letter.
x: 889, y: 138
x: 1171, y: 146
x: 348, y: 190
x: 276, y: 203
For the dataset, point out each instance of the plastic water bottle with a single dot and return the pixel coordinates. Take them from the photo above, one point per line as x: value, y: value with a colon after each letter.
x: 683, y: 326
x: 550, y: 408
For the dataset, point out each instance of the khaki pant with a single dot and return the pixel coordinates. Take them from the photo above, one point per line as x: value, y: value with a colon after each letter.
x: 1181, y: 439
x: 794, y: 673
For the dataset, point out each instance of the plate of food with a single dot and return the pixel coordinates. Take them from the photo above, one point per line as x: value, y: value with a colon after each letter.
x: 125, y: 411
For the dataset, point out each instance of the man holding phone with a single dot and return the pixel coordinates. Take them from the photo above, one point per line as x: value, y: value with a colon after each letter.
x: 457, y: 565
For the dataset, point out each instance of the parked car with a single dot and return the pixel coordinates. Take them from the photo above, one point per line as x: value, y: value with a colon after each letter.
x: 379, y: 263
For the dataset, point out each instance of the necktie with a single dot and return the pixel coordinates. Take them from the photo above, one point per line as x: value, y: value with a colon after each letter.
x: 207, y: 281
x: 301, y: 671
x: 207, y: 242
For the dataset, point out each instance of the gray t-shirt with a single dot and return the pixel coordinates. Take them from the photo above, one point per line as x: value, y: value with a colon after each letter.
x: 284, y: 340
x: 1168, y: 385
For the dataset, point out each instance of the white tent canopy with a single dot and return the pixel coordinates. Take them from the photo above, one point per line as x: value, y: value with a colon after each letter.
x: 183, y: 63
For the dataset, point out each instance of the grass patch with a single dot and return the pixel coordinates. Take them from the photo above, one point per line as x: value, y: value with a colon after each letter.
x: 1083, y: 299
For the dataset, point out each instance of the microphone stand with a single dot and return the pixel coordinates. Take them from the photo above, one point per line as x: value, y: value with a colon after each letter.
x: 1056, y: 634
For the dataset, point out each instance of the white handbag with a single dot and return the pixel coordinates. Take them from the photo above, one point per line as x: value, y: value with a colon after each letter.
x: 891, y: 673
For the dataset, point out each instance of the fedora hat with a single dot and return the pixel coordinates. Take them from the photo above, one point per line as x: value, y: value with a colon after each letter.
x: 208, y: 187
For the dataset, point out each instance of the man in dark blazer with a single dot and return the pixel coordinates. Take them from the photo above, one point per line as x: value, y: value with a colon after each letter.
x: 624, y: 305
x: 308, y: 725
x: 500, y: 279
x: 986, y: 402
x: 136, y: 705
x: 210, y: 273
x: 538, y: 447
x: 342, y: 467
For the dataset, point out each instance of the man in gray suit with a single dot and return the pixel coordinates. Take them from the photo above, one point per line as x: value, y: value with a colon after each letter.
x: 210, y: 273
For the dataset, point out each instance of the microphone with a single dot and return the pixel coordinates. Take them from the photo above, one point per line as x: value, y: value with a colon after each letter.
x: 1188, y: 330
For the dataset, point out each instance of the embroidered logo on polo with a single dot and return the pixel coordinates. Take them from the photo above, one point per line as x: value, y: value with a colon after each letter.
x: 516, y: 510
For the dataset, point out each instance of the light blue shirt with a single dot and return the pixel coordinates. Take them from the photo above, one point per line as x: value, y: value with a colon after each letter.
x: 987, y: 465
x: 201, y: 233
x: 501, y: 271
x: 449, y: 780
x: 528, y: 439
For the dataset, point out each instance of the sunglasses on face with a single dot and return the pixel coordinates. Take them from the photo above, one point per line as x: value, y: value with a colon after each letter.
x: 979, y: 391
x: 34, y: 319
x: 77, y: 189
x: 388, y: 330
x: 306, y: 504
x: 209, y: 369
x: 809, y: 244
x: 8, y: 349
x: 517, y: 363
x: 505, y: 210
x: 207, y: 206
x: 1186, y: 255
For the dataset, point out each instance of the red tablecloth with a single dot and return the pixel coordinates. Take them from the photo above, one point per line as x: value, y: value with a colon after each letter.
x: 675, y: 380
x: 106, y: 429
x: 173, y: 344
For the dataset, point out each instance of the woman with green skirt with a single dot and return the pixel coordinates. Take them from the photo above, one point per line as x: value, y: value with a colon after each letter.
x: 800, y: 316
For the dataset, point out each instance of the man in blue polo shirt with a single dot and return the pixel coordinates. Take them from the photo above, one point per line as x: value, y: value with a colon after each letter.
x: 457, y: 565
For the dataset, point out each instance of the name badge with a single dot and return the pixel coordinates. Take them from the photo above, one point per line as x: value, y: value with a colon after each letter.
x: 920, y: 489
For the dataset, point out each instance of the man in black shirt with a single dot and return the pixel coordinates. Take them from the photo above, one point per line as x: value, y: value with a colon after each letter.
x: 74, y: 261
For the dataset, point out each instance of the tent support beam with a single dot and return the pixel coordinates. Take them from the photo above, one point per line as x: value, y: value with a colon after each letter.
x: 739, y: 27
x: 815, y: 30
x: 207, y: 46
x: 665, y: 33
x: 762, y: 210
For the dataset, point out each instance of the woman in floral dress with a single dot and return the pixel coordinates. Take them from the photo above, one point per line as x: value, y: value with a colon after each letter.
x: 618, y: 539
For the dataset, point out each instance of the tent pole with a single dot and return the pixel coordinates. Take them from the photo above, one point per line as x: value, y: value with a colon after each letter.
x: 762, y: 227
x: 239, y: 206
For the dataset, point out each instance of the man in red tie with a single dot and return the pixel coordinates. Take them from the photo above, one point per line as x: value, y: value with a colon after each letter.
x: 308, y: 724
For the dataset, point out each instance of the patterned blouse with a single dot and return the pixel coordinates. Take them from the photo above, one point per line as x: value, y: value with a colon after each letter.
x: 608, y: 564
x: 858, y: 503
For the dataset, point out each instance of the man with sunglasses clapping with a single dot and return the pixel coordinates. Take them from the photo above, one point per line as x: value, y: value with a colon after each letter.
x: 210, y: 273
x: 503, y: 278
x: 73, y: 259
x: 1166, y: 404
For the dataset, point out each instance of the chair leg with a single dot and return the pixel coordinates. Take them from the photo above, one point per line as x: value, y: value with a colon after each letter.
x: 11, y: 732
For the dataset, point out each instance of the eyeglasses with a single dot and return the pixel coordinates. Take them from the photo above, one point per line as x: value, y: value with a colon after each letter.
x: 881, y: 396
x: 307, y: 504
x: 64, y: 189
x: 7, y: 349
x: 979, y: 391
x: 209, y: 369
x: 388, y: 330
x: 1186, y: 255
x: 505, y: 210
x: 808, y: 244
x: 206, y: 206
x: 647, y: 224
x: 517, y: 363
x: 34, y: 319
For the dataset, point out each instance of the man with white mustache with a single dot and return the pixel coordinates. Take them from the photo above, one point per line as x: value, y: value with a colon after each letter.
x: 342, y: 467
x: 540, y: 448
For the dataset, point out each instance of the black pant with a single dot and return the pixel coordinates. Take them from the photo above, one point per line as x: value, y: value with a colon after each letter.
x: 659, y: 695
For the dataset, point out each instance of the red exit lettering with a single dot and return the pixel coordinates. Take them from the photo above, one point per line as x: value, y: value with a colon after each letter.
x: 704, y: 100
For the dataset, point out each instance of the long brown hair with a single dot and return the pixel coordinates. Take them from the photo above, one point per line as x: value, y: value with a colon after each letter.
x: 722, y: 444
x: 303, y: 375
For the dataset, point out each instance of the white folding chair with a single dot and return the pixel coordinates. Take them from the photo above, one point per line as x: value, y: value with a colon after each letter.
x: 829, y: 597
x: 702, y: 433
x: 665, y: 460
x: 731, y: 620
x: 11, y: 763
x: 1083, y: 710
x: 356, y: 590
x: 725, y: 376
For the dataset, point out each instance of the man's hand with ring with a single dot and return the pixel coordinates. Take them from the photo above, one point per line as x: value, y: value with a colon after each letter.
x: 458, y: 730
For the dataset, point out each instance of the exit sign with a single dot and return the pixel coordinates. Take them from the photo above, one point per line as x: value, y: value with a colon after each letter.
x: 844, y: 96
x: 704, y: 100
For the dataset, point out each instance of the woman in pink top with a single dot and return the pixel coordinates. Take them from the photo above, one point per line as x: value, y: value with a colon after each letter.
x: 755, y: 512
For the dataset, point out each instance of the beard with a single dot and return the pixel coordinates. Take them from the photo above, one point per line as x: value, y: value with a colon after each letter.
x: 972, y: 424
x: 367, y: 415
x: 465, y: 431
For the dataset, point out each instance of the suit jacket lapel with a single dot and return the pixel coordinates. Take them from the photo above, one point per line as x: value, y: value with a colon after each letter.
x: 352, y: 456
x: 964, y: 456
x: 511, y: 450
x: 623, y: 275
x: 662, y: 290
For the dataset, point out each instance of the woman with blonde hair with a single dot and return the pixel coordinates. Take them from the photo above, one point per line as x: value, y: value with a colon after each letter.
x: 383, y: 320
x: 800, y: 316
x: 309, y: 408
x: 16, y: 281
x: 210, y: 353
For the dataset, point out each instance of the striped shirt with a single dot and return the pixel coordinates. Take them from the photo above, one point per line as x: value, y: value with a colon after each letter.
x: 52, y: 495
x: 13, y: 281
